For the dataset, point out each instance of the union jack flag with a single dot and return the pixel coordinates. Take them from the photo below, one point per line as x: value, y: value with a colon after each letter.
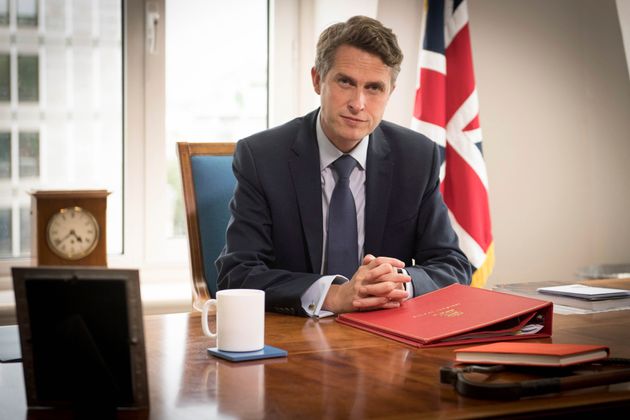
x: 447, y: 111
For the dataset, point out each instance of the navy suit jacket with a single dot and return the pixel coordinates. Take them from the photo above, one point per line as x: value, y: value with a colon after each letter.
x: 274, y: 237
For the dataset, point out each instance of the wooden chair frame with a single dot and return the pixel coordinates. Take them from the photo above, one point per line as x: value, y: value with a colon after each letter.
x: 185, y: 152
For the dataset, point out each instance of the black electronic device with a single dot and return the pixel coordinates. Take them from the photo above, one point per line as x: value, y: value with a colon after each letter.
x: 82, y: 338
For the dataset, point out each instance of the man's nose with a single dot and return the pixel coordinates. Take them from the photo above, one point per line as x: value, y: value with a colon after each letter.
x: 357, y: 101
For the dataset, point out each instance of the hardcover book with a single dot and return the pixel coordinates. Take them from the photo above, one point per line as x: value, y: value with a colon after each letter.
x: 456, y: 315
x: 531, y: 354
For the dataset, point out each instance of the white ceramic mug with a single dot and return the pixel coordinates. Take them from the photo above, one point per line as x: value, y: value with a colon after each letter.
x: 240, y: 319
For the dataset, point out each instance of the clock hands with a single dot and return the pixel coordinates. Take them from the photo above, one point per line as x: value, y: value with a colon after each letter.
x: 78, y: 238
x: 71, y: 233
x: 59, y: 241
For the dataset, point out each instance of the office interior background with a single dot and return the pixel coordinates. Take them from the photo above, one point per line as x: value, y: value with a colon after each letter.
x: 95, y: 93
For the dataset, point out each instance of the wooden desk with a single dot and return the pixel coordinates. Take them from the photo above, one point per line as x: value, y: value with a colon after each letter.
x: 333, y: 371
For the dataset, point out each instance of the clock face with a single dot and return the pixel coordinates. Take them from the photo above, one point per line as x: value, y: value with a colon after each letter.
x: 72, y: 233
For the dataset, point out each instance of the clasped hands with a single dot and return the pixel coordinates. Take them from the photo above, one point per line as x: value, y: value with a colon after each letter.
x: 376, y: 284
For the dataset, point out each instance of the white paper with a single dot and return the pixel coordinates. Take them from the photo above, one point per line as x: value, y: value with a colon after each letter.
x: 580, y: 289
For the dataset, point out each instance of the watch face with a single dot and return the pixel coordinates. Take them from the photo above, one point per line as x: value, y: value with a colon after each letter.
x: 72, y: 233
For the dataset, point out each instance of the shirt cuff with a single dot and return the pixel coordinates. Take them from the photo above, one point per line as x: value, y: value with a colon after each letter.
x: 408, y: 286
x: 313, y: 297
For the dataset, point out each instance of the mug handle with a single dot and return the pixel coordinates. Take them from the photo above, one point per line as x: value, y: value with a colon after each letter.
x: 204, y: 318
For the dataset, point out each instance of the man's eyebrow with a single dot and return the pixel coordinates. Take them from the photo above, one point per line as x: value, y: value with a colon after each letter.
x: 345, y: 76
x: 376, y: 83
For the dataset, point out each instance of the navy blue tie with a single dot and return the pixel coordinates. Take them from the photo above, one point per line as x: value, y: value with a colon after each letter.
x: 342, y: 254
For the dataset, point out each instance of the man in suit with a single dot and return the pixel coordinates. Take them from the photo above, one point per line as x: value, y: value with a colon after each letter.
x: 290, y: 233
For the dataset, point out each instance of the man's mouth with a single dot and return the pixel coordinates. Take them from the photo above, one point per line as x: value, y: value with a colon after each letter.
x: 352, y: 120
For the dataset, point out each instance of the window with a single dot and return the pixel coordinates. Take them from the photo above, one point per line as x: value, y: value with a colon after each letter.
x: 5, y: 232
x: 5, y: 155
x: 5, y: 77
x: 28, y: 78
x: 29, y: 155
x: 27, y: 12
x: 61, y: 109
x: 4, y: 12
x: 214, y: 91
x: 25, y: 230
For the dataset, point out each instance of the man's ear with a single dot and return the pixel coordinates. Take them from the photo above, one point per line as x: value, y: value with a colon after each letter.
x: 316, y: 80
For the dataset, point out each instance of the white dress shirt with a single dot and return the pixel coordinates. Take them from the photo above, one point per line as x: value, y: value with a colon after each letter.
x: 313, y: 298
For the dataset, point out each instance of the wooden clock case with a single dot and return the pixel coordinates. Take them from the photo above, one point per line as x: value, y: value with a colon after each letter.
x: 44, y: 204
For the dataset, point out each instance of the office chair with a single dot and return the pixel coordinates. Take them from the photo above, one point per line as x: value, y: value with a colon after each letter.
x: 208, y: 184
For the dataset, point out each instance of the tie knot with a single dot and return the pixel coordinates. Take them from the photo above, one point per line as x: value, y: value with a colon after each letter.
x: 344, y: 166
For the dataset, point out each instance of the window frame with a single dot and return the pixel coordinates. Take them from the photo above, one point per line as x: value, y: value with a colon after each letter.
x: 144, y: 132
x: 15, y: 102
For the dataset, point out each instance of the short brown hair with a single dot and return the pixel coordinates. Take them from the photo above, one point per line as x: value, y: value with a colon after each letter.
x: 361, y: 32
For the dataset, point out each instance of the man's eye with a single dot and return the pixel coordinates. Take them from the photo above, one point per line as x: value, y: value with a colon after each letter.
x: 344, y: 81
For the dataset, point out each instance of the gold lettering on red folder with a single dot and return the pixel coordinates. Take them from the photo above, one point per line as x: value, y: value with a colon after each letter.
x: 445, y: 312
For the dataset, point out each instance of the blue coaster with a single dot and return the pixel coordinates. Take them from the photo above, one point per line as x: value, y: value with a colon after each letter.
x: 267, y: 352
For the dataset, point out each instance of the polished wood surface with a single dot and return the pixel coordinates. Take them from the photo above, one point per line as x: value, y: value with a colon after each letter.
x: 333, y: 371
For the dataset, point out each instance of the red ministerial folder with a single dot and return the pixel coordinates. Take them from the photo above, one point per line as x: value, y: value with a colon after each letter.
x: 531, y: 354
x: 456, y: 315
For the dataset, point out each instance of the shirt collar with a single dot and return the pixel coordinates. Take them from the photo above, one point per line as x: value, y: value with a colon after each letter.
x: 328, y: 153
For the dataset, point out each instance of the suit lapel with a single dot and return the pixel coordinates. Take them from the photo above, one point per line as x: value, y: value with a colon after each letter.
x: 378, y: 188
x: 304, y: 166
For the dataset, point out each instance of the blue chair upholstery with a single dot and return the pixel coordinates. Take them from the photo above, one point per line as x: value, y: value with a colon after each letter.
x: 214, y: 186
x: 208, y: 185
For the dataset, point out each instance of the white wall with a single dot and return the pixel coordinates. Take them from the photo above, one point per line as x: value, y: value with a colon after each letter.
x: 405, y: 18
x: 555, y: 101
x: 623, y: 8
x: 555, y: 112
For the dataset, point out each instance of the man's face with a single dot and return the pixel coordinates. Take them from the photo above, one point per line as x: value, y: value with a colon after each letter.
x: 354, y: 94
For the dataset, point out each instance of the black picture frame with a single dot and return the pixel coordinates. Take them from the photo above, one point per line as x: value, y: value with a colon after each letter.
x: 82, y: 337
